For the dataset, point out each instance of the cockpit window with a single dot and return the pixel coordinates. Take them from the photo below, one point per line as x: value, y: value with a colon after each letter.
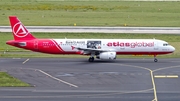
x: 165, y: 44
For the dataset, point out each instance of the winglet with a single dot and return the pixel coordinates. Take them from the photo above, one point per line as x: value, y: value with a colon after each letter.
x: 19, y: 30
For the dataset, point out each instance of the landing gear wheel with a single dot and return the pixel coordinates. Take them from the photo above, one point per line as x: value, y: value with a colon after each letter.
x: 91, y: 59
x: 155, y: 60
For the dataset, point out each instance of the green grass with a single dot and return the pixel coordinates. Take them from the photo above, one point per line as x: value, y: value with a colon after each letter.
x: 16, y: 52
x: 9, y: 81
x: 91, y: 13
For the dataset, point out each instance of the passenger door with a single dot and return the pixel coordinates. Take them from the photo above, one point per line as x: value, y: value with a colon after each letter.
x: 156, y: 46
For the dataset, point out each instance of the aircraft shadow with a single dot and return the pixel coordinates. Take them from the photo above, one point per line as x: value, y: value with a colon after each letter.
x: 122, y: 61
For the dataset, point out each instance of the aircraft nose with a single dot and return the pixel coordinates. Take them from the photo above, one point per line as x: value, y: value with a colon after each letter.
x: 172, y: 48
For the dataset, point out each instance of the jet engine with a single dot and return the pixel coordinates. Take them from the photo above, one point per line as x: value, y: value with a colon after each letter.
x: 107, y: 55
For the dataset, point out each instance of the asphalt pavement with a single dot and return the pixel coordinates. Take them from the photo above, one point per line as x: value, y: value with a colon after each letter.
x: 55, y: 79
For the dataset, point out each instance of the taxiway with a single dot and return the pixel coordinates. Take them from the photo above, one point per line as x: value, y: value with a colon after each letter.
x: 55, y: 79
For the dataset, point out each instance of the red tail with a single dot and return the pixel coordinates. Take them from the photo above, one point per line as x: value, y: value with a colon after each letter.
x: 19, y: 31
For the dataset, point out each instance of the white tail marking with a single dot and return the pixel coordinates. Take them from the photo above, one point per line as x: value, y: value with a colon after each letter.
x: 19, y: 30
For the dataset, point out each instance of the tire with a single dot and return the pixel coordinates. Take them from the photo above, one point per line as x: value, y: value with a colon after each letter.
x: 155, y: 60
x: 91, y: 59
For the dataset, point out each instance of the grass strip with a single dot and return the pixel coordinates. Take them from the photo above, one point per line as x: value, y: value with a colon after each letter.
x: 91, y: 13
x: 8, y: 81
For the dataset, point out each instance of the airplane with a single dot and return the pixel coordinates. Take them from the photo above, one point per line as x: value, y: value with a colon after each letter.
x: 104, y: 49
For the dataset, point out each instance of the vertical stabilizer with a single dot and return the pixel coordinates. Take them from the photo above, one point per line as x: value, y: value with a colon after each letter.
x: 19, y: 30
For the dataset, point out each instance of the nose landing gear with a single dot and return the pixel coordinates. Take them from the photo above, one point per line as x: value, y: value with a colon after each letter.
x: 155, y: 59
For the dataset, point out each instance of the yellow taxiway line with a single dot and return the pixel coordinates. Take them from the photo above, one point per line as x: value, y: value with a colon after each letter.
x: 152, y: 77
x: 165, y: 76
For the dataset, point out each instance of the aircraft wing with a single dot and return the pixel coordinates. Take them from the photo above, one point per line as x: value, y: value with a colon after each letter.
x: 92, y: 49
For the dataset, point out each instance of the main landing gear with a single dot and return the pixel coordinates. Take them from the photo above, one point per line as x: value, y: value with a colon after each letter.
x: 155, y: 59
x: 91, y: 59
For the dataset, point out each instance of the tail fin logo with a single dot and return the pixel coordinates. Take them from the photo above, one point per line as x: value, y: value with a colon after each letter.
x: 19, y: 30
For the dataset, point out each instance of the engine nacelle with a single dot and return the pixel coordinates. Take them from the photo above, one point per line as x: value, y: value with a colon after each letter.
x: 107, y: 55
